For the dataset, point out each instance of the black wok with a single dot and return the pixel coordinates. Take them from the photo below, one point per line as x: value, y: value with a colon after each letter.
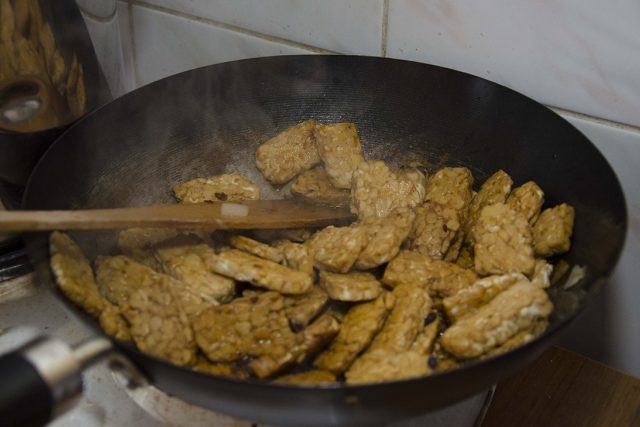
x: 210, y: 120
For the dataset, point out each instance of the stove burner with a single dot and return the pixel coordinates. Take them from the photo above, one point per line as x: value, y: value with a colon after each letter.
x: 13, y: 259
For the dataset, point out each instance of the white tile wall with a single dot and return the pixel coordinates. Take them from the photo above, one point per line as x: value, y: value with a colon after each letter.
x: 347, y: 26
x: 166, y: 44
x: 609, y: 329
x: 579, y: 55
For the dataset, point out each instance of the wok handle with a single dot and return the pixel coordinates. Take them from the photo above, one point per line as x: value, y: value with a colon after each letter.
x: 43, y: 379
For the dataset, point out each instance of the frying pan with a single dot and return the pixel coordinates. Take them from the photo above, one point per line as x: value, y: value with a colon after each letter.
x: 210, y: 120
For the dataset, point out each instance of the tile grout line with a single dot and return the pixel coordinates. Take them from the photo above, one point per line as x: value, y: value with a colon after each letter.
x: 132, y: 42
x: 595, y: 119
x: 385, y: 27
x: 234, y: 28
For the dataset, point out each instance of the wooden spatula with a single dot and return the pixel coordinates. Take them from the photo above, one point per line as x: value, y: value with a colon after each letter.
x: 217, y: 215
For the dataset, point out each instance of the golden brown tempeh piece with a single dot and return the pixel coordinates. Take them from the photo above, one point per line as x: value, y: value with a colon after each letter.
x: 226, y: 187
x: 287, y: 154
x: 74, y: 275
x: 377, y: 191
x: 494, y: 190
x: 385, y: 236
x: 159, y: 327
x: 502, y: 241
x: 412, y: 304
x: 260, y: 272
x: 442, y: 278
x: 350, y: 286
x: 468, y: 300
x: 203, y: 364
x: 512, y: 311
x: 119, y: 276
x: 308, y: 341
x: 315, y: 377
x: 542, y: 272
x: 427, y: 336
x: 113, y: 323
x: 189, y: 264
x: 519, y: 339
x: 247, y: 326
x: 296, y: 256
x: 336, y: 249
x: 465, y: 258
x: 314, y: 186
x: 383, y: 365
x: 451, y: 187
x: 300, y: 309
x: 256, y: 248
x: 434, y: 229
x: 552, y: 231
x: 527, y: 199
x: 339, y: 148
x: 361, y: 323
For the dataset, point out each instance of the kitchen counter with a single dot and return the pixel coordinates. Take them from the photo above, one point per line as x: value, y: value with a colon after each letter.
x: 565, y: 389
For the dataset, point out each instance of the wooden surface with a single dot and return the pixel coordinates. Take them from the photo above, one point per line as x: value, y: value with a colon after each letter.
x: 259, y: 214
x: 565, y: 389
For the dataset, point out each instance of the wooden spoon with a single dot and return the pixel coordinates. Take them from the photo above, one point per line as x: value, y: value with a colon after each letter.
x: 216, y: 215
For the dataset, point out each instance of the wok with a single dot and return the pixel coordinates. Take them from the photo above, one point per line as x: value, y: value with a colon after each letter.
x: 210, y: 120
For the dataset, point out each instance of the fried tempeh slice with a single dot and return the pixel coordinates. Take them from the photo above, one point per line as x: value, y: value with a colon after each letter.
x: 113, y: 323
x: 412, y: 304
x: 190, y: 265
x: 385, y: 236
x: 226, y: 187
x: 247, y: 326
x: 434, y: 229
x: 512, y: 311
x: 300, y: 309
x: 287, y: 154
x: 376, y: 190
x: 75, y: 278
x: 383, y: 365
x: 314, y: 186
x: 442, y: 278
x: 503, y: 242
x: 260, y: 272
x: 361, y: 323
x: 468, y: 300
x: 74, y: 275
x: 340, y: 150
x: 296, y: 256
x: 519, y: 339
x: 451, y: 187
x: 494, y: 190
x: 256, y: 248
x: 427, y: 336
x: 159, y: 327
x: 315, y: 377
x: 552, y: 231
x: 336, y: 249
x: 308, y: 341
x: 119, y: 276
x: 541, y: 276
x: 527, y: 199
x: 203, y: 364
x: 351, y: 286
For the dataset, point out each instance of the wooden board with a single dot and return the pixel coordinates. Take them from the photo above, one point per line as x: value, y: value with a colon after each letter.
x: 565, y: 389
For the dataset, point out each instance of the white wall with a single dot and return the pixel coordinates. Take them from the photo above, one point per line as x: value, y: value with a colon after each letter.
x: 580, y: 57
